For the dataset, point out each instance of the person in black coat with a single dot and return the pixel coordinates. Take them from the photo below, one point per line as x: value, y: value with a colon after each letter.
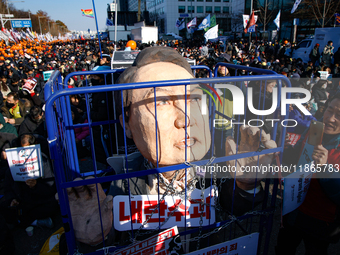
x: 319, y: 92
x: 34, y: 122
x: 314, y: 55
x: 34, y: 198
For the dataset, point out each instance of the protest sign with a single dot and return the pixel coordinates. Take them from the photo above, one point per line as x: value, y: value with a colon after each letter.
x: 293, y: 138
x: 245, y: 245
x: 296, y: 184
x: 30, y: 84
x: 47, y: 75
x: 166, y: 242
x: 172, y: 207
x: 25, y: 162
x: 245, y: 22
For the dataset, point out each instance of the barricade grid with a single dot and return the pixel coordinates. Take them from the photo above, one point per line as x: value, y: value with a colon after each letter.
x: 64, y: 154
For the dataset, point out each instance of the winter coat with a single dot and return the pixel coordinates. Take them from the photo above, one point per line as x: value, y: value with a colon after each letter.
x: 314, y: 55
x: 327, y: 55
x: 6, y: 127
x: 81, y: 133
x: 31, y: 126
x: 319, y: 94
x: 323, y: 195
x: 44, y: 190
x: 337, y: 57
x: 24, y: 107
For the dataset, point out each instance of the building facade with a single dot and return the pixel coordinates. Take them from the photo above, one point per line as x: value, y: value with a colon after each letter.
x: 166, y: 12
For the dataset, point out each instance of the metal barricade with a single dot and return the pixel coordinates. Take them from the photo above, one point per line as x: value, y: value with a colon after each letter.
x: 63, y: 150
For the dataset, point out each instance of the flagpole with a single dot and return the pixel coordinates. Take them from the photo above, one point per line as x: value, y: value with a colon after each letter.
x: 95, y: 16
x: 251, y: 11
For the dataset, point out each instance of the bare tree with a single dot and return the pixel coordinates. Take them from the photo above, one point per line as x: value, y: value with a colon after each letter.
x: 321, y: 10
x: 267, y: 12
x: 236, y: 22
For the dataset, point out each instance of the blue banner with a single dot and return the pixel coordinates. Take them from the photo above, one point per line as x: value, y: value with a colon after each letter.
x: 205, y: 23
x: 109, y: 22
x: 21, y: 23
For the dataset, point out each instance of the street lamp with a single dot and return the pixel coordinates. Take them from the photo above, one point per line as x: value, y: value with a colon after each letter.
x: 12, y: 2
x: 8, y: 8
x: 39, y: 17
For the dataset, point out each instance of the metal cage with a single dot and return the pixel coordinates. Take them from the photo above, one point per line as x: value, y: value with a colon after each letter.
x: 64, y: 152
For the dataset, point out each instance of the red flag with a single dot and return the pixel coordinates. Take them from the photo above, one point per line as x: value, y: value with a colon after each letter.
x: 251, y: 22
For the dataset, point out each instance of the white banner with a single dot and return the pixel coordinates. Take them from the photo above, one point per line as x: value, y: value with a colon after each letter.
x: 277, y: 20
x: 295, y: 6
x: 142, y: 207
x: 25, y: 162
x: 212, y: 33
x: 245, y: 245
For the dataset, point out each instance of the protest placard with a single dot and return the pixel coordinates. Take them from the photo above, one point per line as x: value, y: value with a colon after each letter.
x: 178, y: 211
x: 166, y: 242
x: 47, y: 75
x: 30, y: 84
x: 245, y: 245
x: 293, y: 138
x: 25, y: 162
x: 296, y: 184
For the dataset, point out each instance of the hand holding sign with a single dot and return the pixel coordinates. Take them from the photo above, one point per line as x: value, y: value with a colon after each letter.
x: 250, y: 142
x: 30, y: 85
x: 14, y: 202
x: 31, y: 183
x: 85, y: 212
x: 25, y: 163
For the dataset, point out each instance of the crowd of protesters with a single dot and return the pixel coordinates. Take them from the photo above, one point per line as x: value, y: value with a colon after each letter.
x: 22, y: 120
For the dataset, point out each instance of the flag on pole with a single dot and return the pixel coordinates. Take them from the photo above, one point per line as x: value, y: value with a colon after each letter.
x: 205, y: 23
x: 277, y: 20
x: 337, y: 19
x: 14, y: 37
x: 295, y: 6
x: 192, y: 23
x: 31, y: 36
x: 182, y: 25
x: 108, y: 23
x: 212, y: 33
x: 178, y: 23
x: 212, y: 23
x: 87, y: 13
x: 251, y: 22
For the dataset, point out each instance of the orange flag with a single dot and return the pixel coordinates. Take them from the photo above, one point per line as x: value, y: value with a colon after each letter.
x: 251, y: 22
